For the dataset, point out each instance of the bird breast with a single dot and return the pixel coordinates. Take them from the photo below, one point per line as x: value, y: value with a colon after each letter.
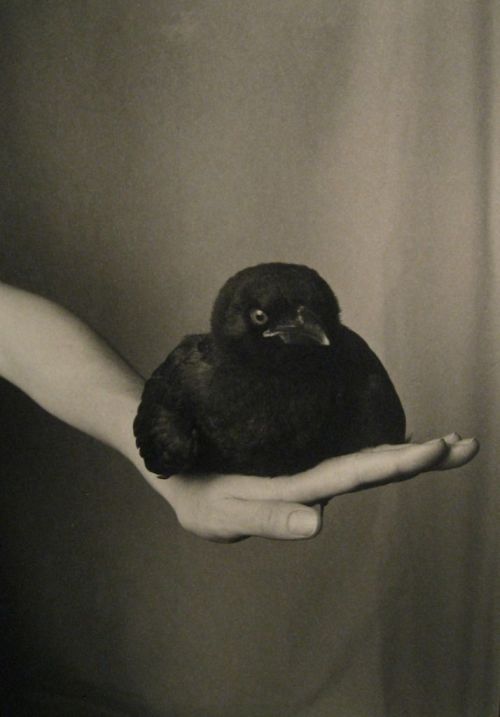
x: 265, y: 425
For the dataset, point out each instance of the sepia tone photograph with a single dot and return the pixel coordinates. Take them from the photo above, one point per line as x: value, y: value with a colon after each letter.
x: 249, y: 358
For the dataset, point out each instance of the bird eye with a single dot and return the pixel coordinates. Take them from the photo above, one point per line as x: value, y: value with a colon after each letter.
x: 259, y: 317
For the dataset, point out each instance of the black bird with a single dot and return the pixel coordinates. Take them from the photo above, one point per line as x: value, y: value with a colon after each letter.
x: 276, y: 387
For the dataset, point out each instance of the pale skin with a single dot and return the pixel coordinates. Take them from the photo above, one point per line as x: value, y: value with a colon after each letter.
x: 67, y: 369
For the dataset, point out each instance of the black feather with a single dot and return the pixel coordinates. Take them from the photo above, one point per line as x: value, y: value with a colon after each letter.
x: 276, y: 387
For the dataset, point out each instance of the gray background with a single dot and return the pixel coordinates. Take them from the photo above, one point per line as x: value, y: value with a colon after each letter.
x: 152, y: 149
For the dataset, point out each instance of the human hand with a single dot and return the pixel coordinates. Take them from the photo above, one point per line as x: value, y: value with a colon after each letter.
x: 227, y: 508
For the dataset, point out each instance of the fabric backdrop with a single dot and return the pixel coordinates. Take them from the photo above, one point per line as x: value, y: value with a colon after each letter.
x: 150, y: 150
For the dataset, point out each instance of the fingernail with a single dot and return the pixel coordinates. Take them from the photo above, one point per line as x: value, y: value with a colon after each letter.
x: 452, y: 437
x: 303, y: 522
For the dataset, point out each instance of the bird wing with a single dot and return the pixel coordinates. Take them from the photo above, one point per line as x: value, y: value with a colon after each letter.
x: 376, y: 415
x: 164, y: 426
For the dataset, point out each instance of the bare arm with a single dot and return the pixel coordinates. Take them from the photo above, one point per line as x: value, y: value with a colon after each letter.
x: 68, y: 370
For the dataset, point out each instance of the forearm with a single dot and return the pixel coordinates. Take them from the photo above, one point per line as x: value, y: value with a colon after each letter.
x: 67, y: 369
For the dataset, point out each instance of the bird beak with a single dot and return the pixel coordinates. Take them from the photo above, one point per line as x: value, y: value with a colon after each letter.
x: 304, y: 329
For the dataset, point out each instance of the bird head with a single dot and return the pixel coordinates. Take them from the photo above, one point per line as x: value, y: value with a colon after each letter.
x: 275, y: 312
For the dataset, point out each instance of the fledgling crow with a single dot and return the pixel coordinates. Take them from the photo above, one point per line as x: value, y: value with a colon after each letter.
x: 278, y: 385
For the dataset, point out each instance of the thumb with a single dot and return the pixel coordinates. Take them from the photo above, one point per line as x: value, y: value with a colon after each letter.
x: 275, y: 519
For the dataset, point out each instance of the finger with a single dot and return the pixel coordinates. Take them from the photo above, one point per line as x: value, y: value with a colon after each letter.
x: 384, y: 447
x: 450, y: 439
x: 460, y: 452
x: 457, y: 456
x: 272, y: 519
x: 350, y: 472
